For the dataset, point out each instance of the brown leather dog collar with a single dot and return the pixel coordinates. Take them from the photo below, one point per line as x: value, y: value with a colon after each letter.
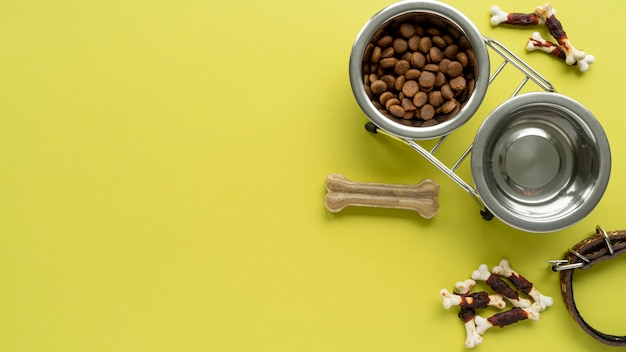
x: 597, y: 248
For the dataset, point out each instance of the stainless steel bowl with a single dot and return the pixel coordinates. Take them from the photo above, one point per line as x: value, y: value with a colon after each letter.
x: 428, y: 11
x: 541, y: 162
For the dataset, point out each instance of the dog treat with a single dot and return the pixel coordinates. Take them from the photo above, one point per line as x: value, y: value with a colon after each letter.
x: 498, y: 16
x: 514, y: 315
x: 498, y: 285
x: 556, y: 30
x: 523, y: 309
x: 545, y: 15
x: 520, y: 283
x: 536, y: 42
x: 418, y: 72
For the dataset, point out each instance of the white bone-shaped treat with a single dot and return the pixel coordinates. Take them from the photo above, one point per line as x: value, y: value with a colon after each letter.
x: 501, y: 287
x: 554, y: 26
x: 470, y: 301
x: 505, y: 270
x: 507, y: 318
x: 537, y: 42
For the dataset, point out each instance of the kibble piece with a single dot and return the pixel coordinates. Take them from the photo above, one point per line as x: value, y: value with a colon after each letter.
x: 413, y: 42
x: 407, y: 104
x: 384, y: 97
x: 388, y: 62
x: 399, y: 83
x: 427, y: 112
x: 385, y: 41
x: 410, y: 88
x: 418, y: 60
x: 388, y: 52
x: 376, y: 54
x: 435, y: 54
x: 412, y: 74
x: 420, y: 99
x: 424, y: 45
x: 450, y: 51
x: 435, y: 98
x: 400, y: 46
x: 391, y: 102
x: 409, y: 115
x: 407, y: 30
x: 427, y: 79
x: 447, y: 92
x: 439, y: 42
x: 397, y: 110
x: 455, y: 69
x: 367, y: 53
x: 378, y: 87
x: 448, y: 106
x: 440, y: 80
x: 462, y: 58
x: 458, y: 83
x: 443, y: 65
x: 389, y: 79
x: 402, y: 67
x: 431, y: 67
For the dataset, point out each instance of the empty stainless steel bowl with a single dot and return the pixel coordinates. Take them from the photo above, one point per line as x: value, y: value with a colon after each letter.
x: 433, y: 12
x: 541, y: 162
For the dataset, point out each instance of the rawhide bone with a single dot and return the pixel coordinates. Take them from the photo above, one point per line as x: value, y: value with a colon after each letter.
x: 523, y: 309
x: 545, y: 15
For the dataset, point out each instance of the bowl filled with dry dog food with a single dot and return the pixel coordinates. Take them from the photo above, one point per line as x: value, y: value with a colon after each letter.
x: 419, y: 69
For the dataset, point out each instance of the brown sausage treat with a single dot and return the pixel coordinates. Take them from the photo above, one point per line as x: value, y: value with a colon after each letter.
x: 400, y: 46
x: 458, y: 83
x: 413, y: 43
x: 412, y: 74
x: 420, y: 99
x: 447, y: 92
x: 384, y: 97
x: 427, y: 112
x: 407, y: 30
x: 427, y: 79
x: 378, y: 87
x: 401, y: 67
x: 455, y: 69
x: 435, y: 98
x: 396, y: 110
x: 418, y: 60
x: 424, y: 45
x: 410, y: 88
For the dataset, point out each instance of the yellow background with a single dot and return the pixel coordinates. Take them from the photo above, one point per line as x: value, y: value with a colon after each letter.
x: 162, y: 169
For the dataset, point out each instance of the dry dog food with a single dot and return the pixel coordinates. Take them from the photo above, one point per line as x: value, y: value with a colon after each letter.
x: 419, y: 72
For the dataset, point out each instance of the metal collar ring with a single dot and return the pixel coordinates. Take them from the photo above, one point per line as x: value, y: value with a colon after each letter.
x: 583, y: 255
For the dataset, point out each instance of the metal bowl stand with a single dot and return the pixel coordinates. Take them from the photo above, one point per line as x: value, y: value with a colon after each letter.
x: 508, y: 58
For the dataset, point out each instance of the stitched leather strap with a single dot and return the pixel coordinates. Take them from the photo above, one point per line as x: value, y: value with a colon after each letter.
x: 595, y: 249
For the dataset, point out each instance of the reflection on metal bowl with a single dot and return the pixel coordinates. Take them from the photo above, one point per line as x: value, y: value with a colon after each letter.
x: 541, y: 162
